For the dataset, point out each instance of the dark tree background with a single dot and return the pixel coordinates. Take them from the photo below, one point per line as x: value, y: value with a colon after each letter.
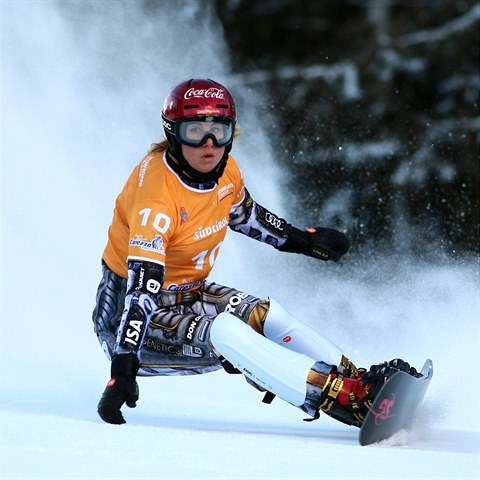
x: 376, y: 109
x: 375, y: 112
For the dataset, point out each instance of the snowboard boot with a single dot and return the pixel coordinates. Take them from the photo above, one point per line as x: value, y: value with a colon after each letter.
x: 347, y: 393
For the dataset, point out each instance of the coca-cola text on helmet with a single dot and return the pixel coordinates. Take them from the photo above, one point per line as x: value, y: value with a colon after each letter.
x: 198, y: 96
x: 205, y: 93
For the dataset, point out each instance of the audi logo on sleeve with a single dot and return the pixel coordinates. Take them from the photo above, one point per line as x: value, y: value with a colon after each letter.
x: 274, y: 221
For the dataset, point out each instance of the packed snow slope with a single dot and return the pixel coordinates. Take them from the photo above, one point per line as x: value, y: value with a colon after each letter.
x: 83, y: 85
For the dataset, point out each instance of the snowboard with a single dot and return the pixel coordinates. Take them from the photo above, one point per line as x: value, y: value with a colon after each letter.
x: 396, y: 405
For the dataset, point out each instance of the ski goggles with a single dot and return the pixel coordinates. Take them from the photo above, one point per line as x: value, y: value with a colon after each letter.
x: 194, y: 132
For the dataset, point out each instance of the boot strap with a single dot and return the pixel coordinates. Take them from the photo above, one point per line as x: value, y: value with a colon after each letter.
x: 331, y: 391
x: 349, y: 368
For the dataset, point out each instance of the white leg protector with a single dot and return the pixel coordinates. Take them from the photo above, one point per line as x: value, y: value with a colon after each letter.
x: 277, y: 369
x: 283, y: 328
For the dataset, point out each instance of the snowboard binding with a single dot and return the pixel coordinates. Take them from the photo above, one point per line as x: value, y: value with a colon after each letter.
x: 348, y: 393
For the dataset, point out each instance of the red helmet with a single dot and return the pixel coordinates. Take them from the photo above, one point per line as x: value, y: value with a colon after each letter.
x: 198, y: 96
x: 198, y: 99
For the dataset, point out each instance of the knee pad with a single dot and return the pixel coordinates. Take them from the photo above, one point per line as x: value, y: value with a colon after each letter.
x: 109, y: 302
x: 107, y: 342
x: 108, y: 309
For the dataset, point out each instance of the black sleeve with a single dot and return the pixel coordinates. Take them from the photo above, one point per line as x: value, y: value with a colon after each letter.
x: 255, y: 221
x: 145, y: 280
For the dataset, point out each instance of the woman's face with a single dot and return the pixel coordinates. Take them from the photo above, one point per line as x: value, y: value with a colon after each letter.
x: 206, y: 157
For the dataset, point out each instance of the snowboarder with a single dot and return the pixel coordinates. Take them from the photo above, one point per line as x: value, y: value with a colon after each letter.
x: 156, y: 313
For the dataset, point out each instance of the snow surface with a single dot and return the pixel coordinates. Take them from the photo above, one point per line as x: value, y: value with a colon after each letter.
x: 83, y: 84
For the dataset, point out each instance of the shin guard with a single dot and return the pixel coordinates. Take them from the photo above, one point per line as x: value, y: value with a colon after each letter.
x: 274, y: 368
x: 283, y: 328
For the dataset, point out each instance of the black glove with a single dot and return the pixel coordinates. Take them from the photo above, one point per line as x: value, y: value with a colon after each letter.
x: 316, y: 242
x: 122, y: 388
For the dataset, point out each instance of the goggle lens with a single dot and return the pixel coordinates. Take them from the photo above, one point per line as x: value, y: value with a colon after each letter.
x: 196, y: 132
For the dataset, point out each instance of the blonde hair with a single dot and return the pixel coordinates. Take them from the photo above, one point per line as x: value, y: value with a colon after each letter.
x: 163, y: 145
x: 158, y: 147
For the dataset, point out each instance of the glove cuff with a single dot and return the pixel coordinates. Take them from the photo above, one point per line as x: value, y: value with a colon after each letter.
x: 298, y: 241
x: 125, y: 365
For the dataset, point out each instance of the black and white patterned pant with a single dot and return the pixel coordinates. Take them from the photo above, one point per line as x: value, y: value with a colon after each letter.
x: 177, y: 341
